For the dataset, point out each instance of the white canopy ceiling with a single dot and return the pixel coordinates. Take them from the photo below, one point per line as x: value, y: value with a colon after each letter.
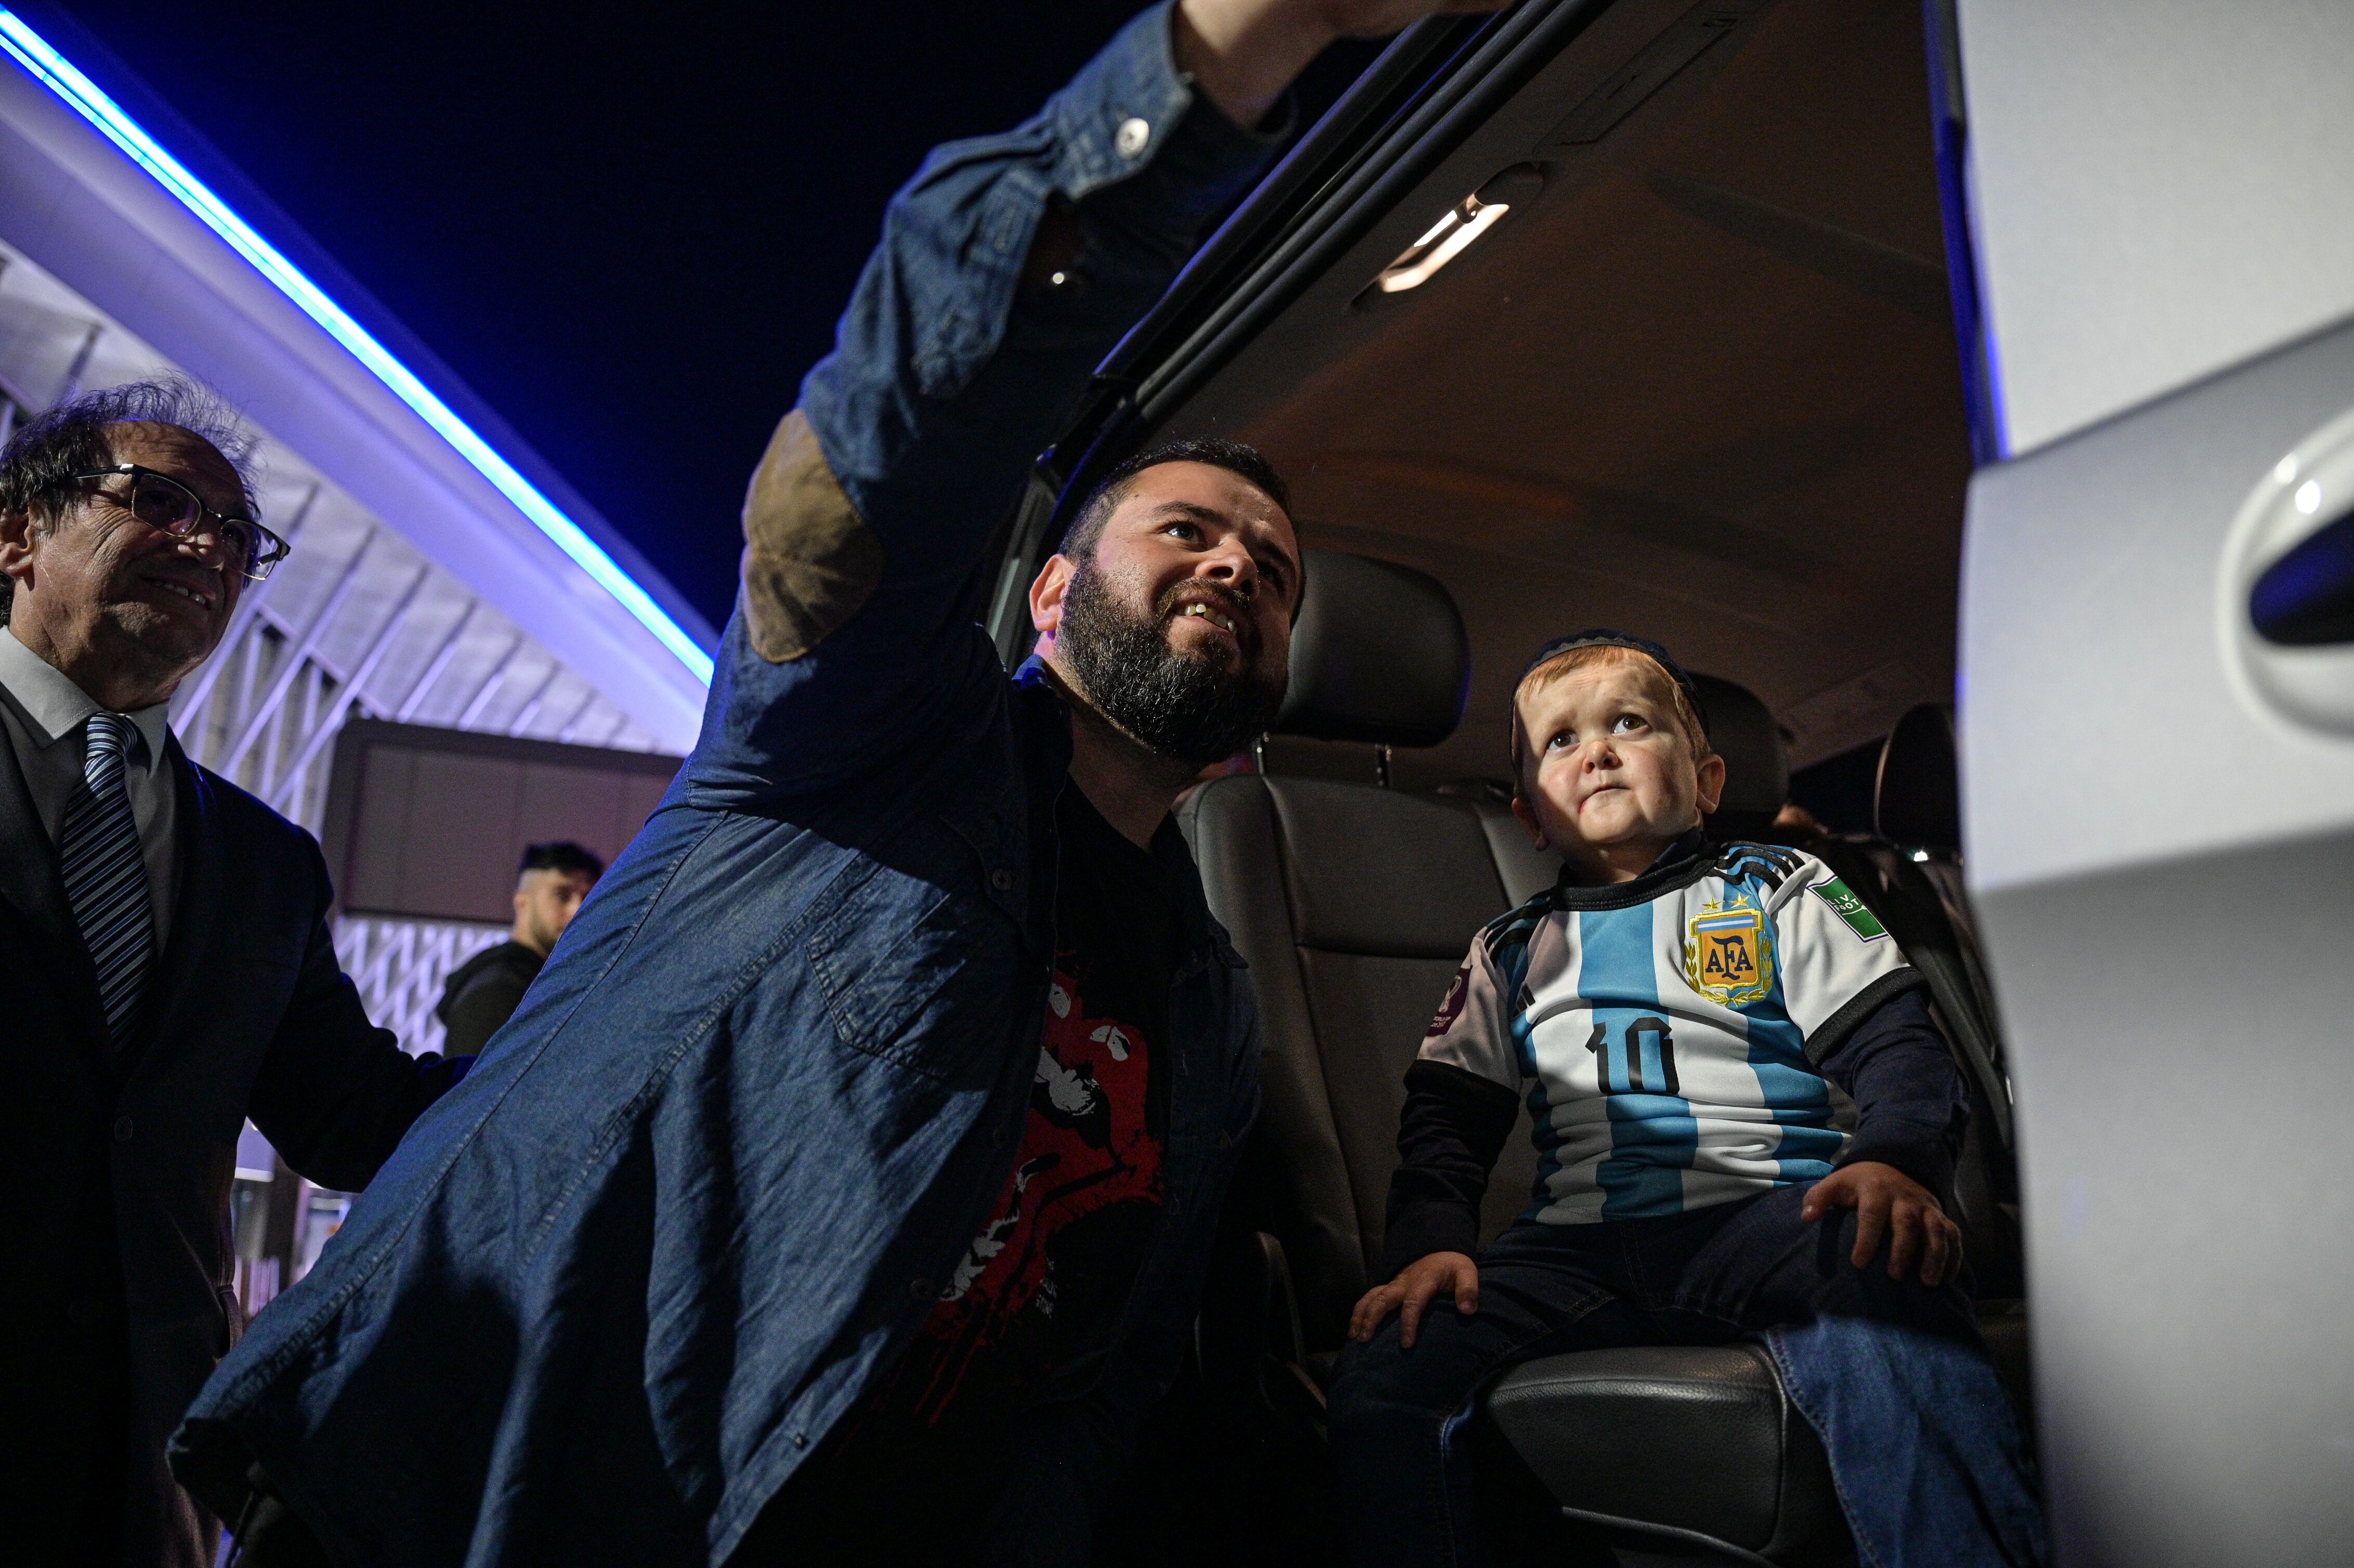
x: 418, y: 545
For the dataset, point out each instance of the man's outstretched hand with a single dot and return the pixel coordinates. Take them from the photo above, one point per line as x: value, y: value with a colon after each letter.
x: 1888, y: 1205
x: 1244, y: 53
x: 1409, y: 1294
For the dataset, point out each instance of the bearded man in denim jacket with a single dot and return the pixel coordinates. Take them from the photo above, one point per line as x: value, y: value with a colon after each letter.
x: 880, y: 1099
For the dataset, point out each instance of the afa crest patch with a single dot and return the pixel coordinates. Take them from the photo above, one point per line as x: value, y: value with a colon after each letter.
x: 1729, y: 955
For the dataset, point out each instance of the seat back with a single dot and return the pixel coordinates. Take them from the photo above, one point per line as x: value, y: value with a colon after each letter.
x: 1742, y: 730
x: 1910, y: 875
x: 1353, y: 905
x: 1917, y: 806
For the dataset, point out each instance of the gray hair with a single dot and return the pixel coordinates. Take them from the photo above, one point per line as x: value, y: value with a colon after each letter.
x: 38, y: 465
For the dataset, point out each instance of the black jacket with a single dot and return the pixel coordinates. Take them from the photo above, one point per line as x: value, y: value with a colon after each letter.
x: 484, y: 992
x: 115, y: 1297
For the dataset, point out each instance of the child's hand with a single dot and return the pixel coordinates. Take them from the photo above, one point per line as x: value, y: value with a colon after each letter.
x: 1439, y: 1274
x: 1887, y: 1203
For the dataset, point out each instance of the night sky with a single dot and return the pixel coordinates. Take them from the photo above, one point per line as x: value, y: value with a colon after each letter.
x: 628, y: 229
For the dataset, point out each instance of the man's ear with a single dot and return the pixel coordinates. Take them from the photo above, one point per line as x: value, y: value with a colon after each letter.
x: 1712, y: 783
x: 1047, y: 593
x: 16, y: 534
x: 1529, y: 821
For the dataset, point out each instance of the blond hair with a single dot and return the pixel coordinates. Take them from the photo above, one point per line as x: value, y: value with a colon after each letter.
x: 1684, y: 715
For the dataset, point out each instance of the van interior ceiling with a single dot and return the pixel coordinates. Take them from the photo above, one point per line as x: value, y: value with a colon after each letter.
x: 1699, y: 383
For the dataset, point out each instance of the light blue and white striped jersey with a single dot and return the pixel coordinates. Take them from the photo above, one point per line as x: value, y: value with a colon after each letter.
x: 1669, y: 1028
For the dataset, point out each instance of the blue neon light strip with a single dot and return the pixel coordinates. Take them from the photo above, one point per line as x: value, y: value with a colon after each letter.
x: 57, y: 74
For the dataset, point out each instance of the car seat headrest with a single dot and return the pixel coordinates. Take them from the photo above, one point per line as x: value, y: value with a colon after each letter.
x: 1918, y: 799
x: 1742, y: 730
x: 1378, y: 654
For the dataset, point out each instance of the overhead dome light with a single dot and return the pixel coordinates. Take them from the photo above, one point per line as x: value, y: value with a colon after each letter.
x: 1453, y: 234
x: 1448, y: 238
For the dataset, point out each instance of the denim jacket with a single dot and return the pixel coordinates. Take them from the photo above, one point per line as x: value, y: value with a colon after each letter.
x: 610, y: 1292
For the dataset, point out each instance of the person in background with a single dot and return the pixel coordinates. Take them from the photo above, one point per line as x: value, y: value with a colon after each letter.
x: 484, y: 990
x: 169, y: 971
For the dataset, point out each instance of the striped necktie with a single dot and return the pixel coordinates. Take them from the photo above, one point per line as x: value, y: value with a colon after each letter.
x: 105, y: 874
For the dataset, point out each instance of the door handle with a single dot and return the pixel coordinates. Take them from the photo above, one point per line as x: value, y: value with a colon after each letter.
x: 2306, y: 599
x: 2286, y: 598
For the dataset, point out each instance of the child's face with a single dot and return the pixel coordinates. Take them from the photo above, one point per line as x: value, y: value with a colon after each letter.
x: 1609, y: 779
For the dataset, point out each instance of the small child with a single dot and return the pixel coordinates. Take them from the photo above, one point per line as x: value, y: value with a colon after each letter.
x: 1683, y: 1010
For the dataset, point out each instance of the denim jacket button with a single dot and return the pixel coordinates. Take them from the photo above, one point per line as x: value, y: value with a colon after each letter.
x: 922, y: 1289
x: 122, y: 1129
x: 1000, y: 879
x: 1130, y: 139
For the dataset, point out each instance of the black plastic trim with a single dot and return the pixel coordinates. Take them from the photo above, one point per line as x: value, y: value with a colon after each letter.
x: 1663, y: 1533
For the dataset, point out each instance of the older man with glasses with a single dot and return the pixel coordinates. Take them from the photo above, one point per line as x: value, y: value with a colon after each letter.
x: 169, y: 970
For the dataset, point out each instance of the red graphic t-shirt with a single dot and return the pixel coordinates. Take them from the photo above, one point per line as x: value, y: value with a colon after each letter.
x: 1042, y: 1287
x: 1040, y: 1291
x: 1087, y: 1152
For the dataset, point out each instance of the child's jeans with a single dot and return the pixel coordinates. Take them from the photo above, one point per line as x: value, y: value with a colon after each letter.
x: 1922, y: 1444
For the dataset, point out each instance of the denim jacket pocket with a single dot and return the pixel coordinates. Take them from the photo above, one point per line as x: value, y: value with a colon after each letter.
x: 963, y: 308
x: 916, y: 973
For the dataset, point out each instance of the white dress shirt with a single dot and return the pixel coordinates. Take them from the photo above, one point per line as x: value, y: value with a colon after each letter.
x: 44, y: 712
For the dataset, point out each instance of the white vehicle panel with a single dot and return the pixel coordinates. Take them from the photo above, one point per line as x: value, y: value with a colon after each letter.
x: 2159, y: 191
x: 2103, y: 721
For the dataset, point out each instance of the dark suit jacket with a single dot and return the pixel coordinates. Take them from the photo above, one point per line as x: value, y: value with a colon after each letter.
x: 115, y: 1259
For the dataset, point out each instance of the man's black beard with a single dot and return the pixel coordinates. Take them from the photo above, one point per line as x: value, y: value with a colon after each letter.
x: 1179, y: 706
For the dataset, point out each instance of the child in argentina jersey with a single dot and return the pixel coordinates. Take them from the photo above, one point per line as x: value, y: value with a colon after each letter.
x: 1670, y: 1030
x: 1746, y: 1118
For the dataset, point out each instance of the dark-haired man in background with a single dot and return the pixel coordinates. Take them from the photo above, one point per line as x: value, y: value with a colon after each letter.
x: 882, y: 1099
x: 484, y: 992
x: 169, y: 972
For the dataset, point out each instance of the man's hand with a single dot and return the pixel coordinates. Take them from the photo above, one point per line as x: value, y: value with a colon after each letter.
x: 1888, y: 1205
x: 1439, y: 1274
x: 1244, y: 53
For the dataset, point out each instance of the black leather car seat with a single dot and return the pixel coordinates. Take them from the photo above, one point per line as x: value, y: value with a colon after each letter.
x: 1917, y: 808
x: 1742, y: 730
x: 1353, y: 905
x: 1910, y: 875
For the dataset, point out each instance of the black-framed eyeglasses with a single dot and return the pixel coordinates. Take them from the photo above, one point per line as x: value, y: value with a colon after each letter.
x: 161, y: 502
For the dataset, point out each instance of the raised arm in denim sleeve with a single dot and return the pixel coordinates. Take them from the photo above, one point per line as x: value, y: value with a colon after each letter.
x: 875, y: 500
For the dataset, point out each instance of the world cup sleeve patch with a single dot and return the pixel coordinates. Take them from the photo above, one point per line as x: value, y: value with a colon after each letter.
x: 1452, y: 1008
x: 1850, y: 908
x: 1728, y: 956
